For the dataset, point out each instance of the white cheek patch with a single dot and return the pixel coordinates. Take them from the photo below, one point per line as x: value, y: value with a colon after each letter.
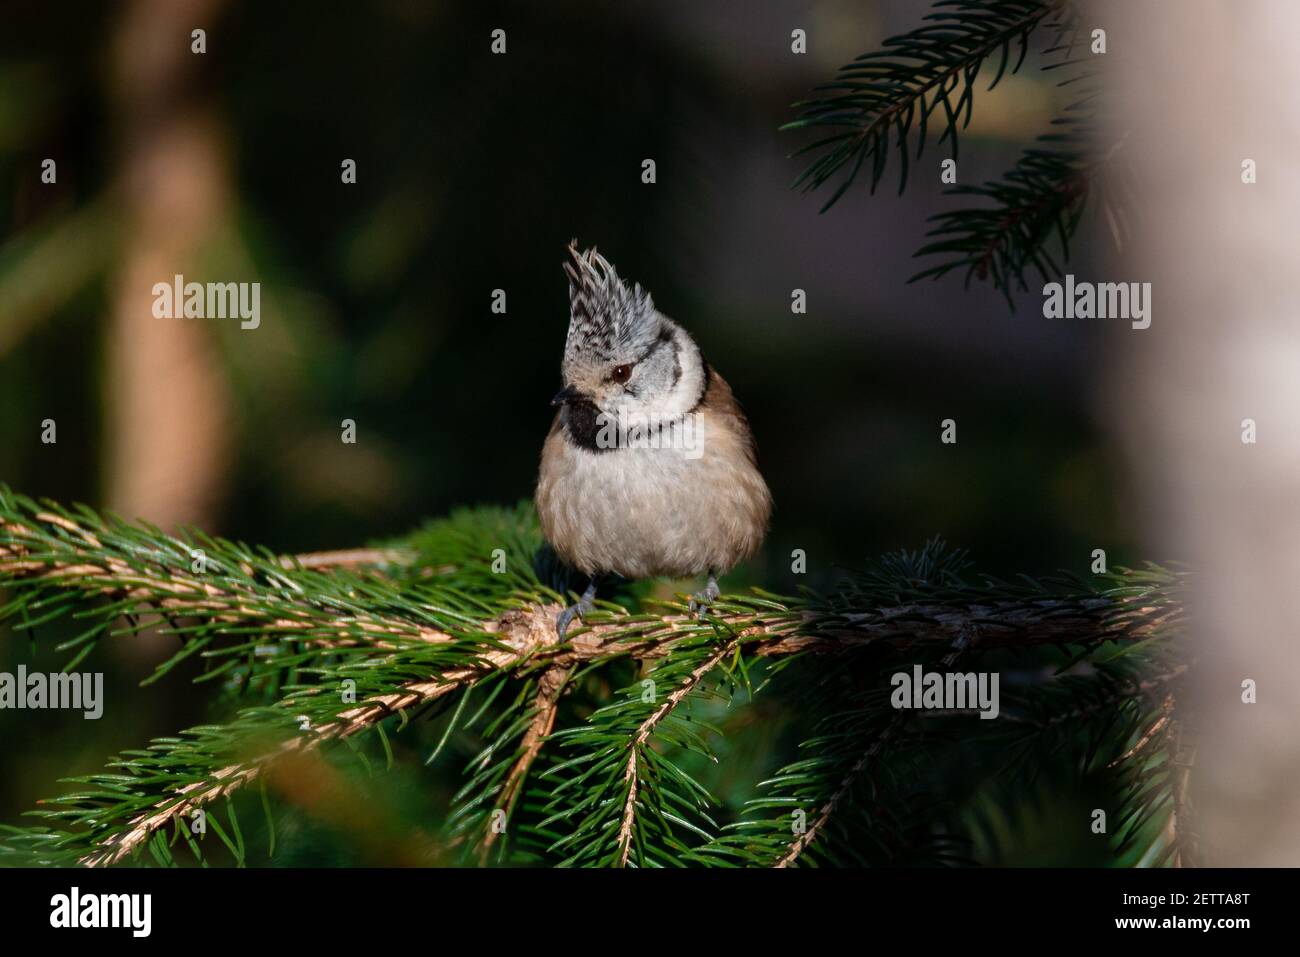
x: 684, y: 396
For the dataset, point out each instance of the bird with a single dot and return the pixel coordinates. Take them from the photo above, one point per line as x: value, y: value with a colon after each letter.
x: 650, y: 468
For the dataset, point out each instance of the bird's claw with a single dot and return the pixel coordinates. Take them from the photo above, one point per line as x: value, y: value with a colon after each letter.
x: 577, y: 610
x: 702, y: 602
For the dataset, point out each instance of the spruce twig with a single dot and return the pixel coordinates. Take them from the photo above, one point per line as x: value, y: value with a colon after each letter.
x: 433, y: 621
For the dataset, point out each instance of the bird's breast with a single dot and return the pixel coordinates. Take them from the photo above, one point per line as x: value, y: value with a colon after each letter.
x: 678, y: 503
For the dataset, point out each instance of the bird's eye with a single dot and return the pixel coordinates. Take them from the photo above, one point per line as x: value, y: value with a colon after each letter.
x: 621, y: 373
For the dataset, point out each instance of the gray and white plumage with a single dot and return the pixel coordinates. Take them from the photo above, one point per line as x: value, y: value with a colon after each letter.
x: 679, y: 494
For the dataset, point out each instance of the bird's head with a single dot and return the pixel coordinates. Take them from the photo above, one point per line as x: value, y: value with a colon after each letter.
x: 622, y: 355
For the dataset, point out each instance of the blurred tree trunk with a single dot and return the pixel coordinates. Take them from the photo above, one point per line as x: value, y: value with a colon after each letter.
x: 1208, y: 85
x: 167, y: 429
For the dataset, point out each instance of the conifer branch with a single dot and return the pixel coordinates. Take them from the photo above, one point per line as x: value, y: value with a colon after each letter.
x: 546, y: 708
x: 227, y: 780
x: 1031, y: 214
x: 963, y: 641
x: 1181, y: 837
x: 642, y: 736
x: 878, y: 744
x: 891, y: 91
x: 223, y: 782
x: 234, y: 606
x: 406, y: 639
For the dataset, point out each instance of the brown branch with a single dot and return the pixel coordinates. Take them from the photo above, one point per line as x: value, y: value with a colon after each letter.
x: 1023, y: 623
x: 546, y: 706
x: 782, y: 631
x: 963, y: 641
x: 1181, y: 756
x: 174, y: 592
x: 521, y: 633
x: 1123, y: 692
x: 643, y: 735
x: 1147, y: 736
x: 349, y: 558
x: 800, y: 844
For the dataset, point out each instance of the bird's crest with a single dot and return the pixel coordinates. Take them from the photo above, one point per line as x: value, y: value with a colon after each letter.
x: 607, y: 317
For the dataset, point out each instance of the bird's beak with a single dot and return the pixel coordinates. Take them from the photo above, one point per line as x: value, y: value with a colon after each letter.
x: 567, y: 394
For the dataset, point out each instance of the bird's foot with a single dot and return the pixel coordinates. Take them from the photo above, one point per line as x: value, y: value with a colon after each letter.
x: 701, y: 602
x: 565, y: 618
x: 577, y: 610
